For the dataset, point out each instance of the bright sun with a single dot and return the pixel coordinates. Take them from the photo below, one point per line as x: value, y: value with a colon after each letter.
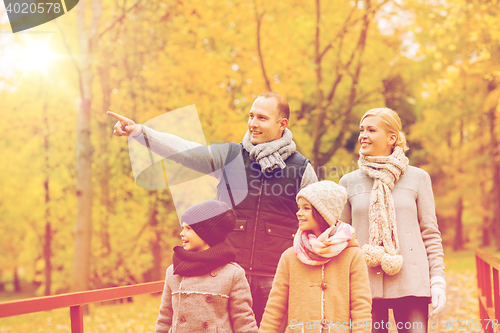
x: 37, y: 55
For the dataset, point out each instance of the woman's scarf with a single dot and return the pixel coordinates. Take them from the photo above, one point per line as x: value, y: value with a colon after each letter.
x: 271, y: 155
x: 315, y: 251
x: 383, y: 247
x: 192, y: 263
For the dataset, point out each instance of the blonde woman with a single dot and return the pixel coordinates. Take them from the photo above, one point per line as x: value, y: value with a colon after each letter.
x: 391, y: 206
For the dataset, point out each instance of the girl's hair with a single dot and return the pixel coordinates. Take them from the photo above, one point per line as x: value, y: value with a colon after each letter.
x: 391, y: 123
x: 323, y: 225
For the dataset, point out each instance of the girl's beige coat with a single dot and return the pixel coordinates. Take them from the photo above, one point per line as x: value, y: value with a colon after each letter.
x: 297, y: 290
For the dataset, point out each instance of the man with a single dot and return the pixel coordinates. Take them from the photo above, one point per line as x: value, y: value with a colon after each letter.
x: 274, y: 171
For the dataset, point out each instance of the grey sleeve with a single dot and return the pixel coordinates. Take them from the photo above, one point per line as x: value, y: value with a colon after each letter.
x: 346, y: 213
x: 205, y: 159
x: 429, y: 227
x: 309, y: 176
x: 164, y: 321
x: 240, y: 305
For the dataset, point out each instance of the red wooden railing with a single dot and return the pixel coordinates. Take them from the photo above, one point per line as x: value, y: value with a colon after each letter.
x: 487, y: 267
x: 75, y: 301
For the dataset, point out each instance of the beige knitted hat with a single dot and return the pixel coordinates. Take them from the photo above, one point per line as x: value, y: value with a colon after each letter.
x: 327, y: 197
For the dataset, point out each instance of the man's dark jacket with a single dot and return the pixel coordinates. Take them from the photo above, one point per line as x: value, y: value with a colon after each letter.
x: 266, y: 218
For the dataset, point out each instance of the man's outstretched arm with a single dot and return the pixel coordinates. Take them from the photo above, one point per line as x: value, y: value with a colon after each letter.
x: 205, y: 159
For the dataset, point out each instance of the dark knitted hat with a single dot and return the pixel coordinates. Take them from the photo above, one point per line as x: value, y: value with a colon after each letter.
x: 211, y: 220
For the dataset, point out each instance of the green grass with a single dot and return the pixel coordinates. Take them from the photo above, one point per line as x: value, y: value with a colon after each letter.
x: 465, y: 260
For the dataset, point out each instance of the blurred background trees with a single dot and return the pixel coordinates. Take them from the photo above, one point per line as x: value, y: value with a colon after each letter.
x: 436, y: 63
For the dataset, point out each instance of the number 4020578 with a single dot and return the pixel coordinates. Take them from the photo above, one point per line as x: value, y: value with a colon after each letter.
x: 32, y: 8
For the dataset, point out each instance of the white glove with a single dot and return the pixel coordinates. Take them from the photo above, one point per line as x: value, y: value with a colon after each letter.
x: 438, y: 294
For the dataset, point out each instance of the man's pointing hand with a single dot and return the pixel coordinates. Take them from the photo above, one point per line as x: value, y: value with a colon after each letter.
x: 125, y: 126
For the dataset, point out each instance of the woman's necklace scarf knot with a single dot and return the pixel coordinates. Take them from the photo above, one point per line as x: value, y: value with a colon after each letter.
x: 271, y: 155
x: 383, y: 247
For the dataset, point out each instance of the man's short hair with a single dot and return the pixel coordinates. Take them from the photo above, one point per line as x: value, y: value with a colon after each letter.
x: 282, y: 103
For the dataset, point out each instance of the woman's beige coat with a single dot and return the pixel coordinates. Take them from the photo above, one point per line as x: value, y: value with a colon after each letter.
x: 419, y: 237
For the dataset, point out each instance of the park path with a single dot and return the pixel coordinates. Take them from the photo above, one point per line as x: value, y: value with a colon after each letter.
x: 461, y: 312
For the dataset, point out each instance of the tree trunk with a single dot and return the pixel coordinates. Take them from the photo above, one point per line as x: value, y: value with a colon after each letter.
x: 155, y: 243
x: 458, y: 243
x: 105, y: 124
x: 495, y: 156
x: 486, y: 225
x: 47, y: 252
x: 47, y: 249
x: 83, y: 228
x: 324, y: 99
x: 496, y: 181
x: 17, y: 284
x: 486, y: 239
x: 318, y: 121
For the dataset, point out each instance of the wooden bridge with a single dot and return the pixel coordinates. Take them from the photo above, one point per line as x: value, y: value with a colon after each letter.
x: 75, y: 301
x: 487, y: 267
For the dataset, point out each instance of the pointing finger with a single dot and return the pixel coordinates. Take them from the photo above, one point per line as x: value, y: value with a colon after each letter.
x: 118, y: 117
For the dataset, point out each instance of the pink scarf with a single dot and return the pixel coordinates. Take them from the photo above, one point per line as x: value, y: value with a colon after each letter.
x: 315, y: 251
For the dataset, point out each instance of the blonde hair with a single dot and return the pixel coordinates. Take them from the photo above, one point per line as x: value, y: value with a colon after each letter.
x: 391, y: 123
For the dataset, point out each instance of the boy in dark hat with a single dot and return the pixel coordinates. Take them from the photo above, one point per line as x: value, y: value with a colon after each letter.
x: 204, y: 289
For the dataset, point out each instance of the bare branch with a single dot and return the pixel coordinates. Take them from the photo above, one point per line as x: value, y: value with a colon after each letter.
x: 72, y: 57
x: 360, y: 47
x: 258, y: 18
x: 96, y: 18
x: 120, y: 18
x: 359, y: 99
x: 348, y: 23
x: 341, y: 32
x: 320, y: 114
x: 319, y: 78
x: 357, y: 50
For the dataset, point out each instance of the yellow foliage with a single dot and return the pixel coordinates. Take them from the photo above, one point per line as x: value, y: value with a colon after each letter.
x: 164, y: 55
x: 492, y: 100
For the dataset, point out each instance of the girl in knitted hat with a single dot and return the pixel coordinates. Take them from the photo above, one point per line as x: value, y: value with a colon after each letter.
x: 391, y: 206
x: 205, y: 290
x: 321, y: 284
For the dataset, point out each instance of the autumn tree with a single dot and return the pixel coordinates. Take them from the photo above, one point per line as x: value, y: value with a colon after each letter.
x: 457, y: 41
